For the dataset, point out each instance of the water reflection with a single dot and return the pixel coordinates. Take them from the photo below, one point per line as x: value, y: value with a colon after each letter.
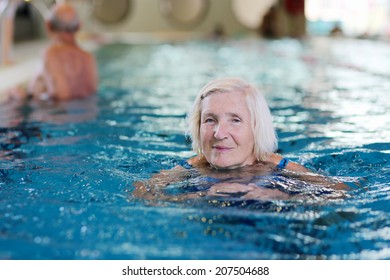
x: 24, y: 122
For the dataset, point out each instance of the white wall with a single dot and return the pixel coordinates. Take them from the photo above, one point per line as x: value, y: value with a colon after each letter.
x: 146, y: 17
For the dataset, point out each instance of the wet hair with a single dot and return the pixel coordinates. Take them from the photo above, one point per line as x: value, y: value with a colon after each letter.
x: 261, y: 119
x: 59, y: 25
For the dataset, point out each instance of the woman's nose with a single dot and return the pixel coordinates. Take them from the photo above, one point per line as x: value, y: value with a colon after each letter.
x: 220, y: 131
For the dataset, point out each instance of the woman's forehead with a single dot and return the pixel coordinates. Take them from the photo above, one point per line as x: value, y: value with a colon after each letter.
x: 225, y: 94
x: 232, y: 102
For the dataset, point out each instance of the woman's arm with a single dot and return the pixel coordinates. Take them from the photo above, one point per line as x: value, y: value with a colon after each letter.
x: 298, y: 171
x: 152, y: 189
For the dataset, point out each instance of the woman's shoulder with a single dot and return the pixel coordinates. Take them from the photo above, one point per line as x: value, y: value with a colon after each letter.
x: 284, y: 163
x: 274, y: 159
x: 197, y: 161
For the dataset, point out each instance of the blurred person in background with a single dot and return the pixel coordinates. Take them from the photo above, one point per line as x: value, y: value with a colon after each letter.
x: 66, y: 71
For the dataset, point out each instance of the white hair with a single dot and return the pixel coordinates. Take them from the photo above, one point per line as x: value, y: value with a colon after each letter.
x: 63, y: 18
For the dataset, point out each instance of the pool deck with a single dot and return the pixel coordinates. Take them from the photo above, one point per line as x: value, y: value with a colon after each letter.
x: 25, y: 62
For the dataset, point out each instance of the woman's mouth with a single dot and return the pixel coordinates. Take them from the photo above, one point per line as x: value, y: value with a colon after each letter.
x: 222, y: 148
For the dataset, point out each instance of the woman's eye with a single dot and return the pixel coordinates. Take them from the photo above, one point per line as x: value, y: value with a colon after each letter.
x: 209, y: 120
x: 236, y: 120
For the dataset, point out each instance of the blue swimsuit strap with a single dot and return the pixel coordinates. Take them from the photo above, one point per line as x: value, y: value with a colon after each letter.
x: 186, y: 165
x: 283, y: 163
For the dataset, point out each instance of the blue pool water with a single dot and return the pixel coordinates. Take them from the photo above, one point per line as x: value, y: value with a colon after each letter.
x: 67, y: 170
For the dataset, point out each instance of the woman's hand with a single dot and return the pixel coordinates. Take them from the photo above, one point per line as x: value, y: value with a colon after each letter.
x: 246, y: 191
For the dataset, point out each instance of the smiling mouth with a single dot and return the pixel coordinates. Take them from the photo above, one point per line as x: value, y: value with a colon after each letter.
x: 222, y: 148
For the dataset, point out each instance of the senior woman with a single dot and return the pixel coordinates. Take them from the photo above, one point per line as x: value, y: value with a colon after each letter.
x: 231, y: 129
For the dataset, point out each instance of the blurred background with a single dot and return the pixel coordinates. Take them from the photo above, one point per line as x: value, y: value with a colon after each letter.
x: 188, y: 18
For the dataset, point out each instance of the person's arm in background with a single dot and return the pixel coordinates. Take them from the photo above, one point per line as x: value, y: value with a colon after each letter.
x: 92, y: 72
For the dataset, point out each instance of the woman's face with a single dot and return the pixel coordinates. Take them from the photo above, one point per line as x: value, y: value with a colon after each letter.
x: 225, y: 130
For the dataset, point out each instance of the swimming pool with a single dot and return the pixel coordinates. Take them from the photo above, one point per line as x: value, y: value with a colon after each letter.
x: 67, y: 170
